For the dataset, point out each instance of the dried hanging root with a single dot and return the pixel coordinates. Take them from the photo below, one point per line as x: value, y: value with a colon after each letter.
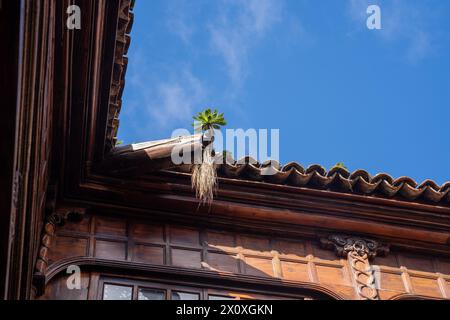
x: 204, y: 177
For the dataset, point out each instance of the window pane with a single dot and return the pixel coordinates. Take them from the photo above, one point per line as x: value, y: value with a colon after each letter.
x: 114, y: 292
x: 176, y: 295
x: 213, y: 297
x: 151, y: 294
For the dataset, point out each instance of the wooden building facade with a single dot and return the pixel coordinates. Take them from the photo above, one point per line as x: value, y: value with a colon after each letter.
x: 302, y: 233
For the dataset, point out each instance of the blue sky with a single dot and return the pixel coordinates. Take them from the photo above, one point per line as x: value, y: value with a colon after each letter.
x: 378, y: 100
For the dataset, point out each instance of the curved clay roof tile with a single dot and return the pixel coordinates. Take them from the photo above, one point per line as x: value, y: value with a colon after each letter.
x: 409, y: 192
x: 293, y: 166
x: 340, y: 183
x: 402, y: 180
x: 319, y: 180
x: 361, y: 185
x: 432, y: 195
x: 445, y: 187
x: 382, y: 177
x: 386, y: 188
x: 279, y: 177
x: 299, y: 179
x: 361, y: 174
x: 253, y: 171
x: 337, y: 179
x: 318, y: 169
x: 429, y: 183
x: 341, y: 171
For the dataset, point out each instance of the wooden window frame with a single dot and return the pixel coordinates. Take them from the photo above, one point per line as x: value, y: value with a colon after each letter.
x: 203, y: 291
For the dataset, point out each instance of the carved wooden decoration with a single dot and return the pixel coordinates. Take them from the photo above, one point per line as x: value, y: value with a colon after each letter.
x: 56, y: 218
x: 358, y: 251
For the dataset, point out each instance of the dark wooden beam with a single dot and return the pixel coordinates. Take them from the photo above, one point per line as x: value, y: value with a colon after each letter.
x: 10, y: 19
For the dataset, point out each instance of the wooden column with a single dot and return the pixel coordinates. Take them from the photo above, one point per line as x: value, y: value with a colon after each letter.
x: 359, y: 252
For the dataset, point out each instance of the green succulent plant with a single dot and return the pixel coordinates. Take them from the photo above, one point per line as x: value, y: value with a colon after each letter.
x: 340, y: 165
x: 204, y: 176
x: 208, y: 119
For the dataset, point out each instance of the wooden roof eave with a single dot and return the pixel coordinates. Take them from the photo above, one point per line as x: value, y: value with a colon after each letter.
x: 151, y: 156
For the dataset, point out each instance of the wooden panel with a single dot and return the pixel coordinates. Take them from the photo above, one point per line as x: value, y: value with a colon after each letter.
x: 110, y: 226
x: 110, y: 250
x: 332, y: 275
x: 254, y: 244
x: 78, y: 226
x: 146, y: 233
x: 424, y: 286
x: 67, y: 247
x: 391, y: 281
x: 223, y: 241
x: 223, y: 262
x: 443, y: 267
x: 186, y: 258
x: 295, y: 271
x: 258, y: 267
x: 389, y: 261
x: 416, y: 263
x: 289, y: 249
x: 57, y: 288
x: 188, y: 237
x: 148, y: 254
x: 324, y: 255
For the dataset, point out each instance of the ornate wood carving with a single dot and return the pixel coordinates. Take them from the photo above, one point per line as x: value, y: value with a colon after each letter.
x: 55, y: 219
x: 358, y: 251
x: 67, y: 213
x: 363, y: 247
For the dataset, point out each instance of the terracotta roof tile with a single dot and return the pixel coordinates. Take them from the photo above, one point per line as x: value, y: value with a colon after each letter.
x: 336, y: 179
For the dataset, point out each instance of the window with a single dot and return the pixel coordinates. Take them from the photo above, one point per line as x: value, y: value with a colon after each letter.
x: 116, y: 292
x: 214, y: 297
x: 118, y: 289
x: 176, y: 295
x: 121, y: 289
x: 151, y: 294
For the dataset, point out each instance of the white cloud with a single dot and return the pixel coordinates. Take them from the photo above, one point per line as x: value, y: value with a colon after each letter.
x: 179, y: 19
x: 241, y: 24
x: 234, y: 28
x: 170, y: 91
x: 167, y: 98
x: 175, y: 100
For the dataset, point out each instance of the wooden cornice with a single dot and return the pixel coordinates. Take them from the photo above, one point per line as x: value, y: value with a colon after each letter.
x: 296, y: 214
